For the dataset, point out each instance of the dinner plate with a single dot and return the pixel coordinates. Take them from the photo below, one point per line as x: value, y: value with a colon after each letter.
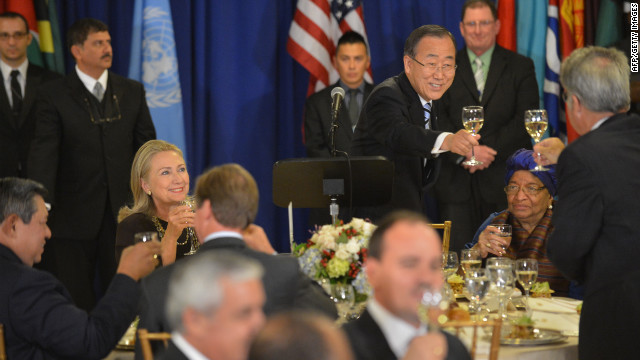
x: 544, y: 336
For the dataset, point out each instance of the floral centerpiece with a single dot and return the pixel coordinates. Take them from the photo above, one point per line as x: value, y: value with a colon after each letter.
x: 335, y: 254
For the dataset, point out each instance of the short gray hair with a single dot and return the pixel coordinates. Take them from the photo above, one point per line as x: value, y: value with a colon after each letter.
x: 17, y: 197
x: 599, y: 77
x: 416, y: 35
x: 196, y: 282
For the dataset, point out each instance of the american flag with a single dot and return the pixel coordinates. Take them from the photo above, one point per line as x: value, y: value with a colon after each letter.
x: 316, y: 27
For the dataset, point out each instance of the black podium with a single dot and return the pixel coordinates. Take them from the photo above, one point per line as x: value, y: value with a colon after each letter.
x: 332, y: 182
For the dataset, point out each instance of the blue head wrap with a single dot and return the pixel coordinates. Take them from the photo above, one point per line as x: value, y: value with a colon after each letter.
x: 523, y: 160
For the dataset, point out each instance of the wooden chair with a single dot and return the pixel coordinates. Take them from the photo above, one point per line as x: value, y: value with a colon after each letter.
x: 495, y: 337
x: 145, y: 339
x: 3, y: 351
x: 446, y: 234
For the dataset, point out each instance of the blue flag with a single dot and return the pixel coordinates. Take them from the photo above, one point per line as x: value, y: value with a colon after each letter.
x: 154, y: 63
x: 552, y: 73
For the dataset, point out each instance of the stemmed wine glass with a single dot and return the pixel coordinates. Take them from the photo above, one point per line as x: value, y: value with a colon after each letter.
x: 449, y: 267
x: 527, y: 273
x: 503, y: 278
x: 502, y: 230
x: 344, y: 297
x: 536, y: 122
x: 433, y: 299
x: 470, y: 259
x: 477, y: 285
x: 191, y: 234
x: 472, y: 120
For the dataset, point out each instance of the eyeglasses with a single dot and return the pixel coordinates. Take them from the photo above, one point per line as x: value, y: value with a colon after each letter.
x: 16, y: 35
x: 565, y: 96
x: 529, y: 190
x: 98, y: 119
x: 447, y: 69
x: 483, y: 24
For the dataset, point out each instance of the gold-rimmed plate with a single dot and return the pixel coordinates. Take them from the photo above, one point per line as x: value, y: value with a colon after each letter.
x: 543, y: 336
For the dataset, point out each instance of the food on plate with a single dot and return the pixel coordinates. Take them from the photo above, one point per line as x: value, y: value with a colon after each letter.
x: 541, y: 290
x: 522, y: 328
x: 457, y: 313
x: 457, y: 283
x: 579, y: 308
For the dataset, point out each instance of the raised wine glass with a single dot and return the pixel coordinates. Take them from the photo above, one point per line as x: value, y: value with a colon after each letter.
x: 527, y: 273
x: 470, y: 259
x: 191, y: 233
x: 502, y: 277
x: 504, y: 231
x: 536, y: 122
x: 472, y: 120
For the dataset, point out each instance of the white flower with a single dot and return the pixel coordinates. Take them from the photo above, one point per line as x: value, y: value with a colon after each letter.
x: 342, y: 253
x: 367, y: 229
x: 357, y: 224
x: 326, y: 241
x: 352, y: 246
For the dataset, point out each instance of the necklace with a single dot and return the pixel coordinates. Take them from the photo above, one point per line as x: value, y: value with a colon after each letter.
x: 161, y: 230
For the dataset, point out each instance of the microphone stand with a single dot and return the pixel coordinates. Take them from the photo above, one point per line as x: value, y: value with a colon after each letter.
x: 334, y: 208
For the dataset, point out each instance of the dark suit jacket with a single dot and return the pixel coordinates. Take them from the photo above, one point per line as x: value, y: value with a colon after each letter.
x: 83, y: 164
x: 317, y: 123
x: 510, y: 89
x: 16, y: 134
x: 285, y: 285
x: 41, y: 322
x: 368, y: 341
x: 172, y: 353
x: 597, y: 234
x: 392, y: 125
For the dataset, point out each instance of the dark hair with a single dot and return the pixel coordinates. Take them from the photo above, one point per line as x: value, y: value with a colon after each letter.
x: 16, y: 197
x: 479, y: 3
x: 423, y: 31
x: 80, y: 30
x: 377, y: 238
x: 351, y: 37
x: 15, y: 15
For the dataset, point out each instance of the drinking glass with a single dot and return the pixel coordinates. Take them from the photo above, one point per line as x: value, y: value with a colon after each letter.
x: 477, y: 285
x: 504, y: 231
x: 501, y: 275
x: 527, y: 273
x: 472, y: 120
x: 449, y: 263
x: 434, y: 303
x: 470, y: 259
x: 536, y: 122
x: 146, y: 236
x: 344, y: 297
x: 191, y: 234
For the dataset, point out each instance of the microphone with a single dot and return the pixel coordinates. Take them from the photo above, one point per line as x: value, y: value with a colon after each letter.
x: 337, y: 94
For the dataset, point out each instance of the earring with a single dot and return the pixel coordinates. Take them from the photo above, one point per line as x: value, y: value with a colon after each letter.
x: 550, y: 206
x: 149, y: 192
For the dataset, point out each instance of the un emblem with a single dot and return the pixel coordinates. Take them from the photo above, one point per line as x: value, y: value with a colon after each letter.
x: 159, y: 61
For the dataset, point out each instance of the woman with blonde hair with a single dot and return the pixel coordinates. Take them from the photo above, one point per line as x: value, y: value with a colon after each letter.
x: 159, y: 183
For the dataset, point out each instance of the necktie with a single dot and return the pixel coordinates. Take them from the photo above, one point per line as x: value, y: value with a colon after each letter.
x: 427, y: 125
x: 16, y: 93
x: 354, y: 109
x: 479, y: 76
x: 98, y: 91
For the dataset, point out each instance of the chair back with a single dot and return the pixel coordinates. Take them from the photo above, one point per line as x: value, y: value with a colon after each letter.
x: 495, y: 335
x: 446, y: 234
x: 3, y: 351
x: 145, y: 339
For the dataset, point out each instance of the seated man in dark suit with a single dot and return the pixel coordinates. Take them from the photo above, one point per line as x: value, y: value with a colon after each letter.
x: 214, y: 303
x: 40, y: 319
x: 227, y: 197
x: 404, y: 260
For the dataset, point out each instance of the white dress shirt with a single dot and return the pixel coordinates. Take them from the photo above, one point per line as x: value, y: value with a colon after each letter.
x: 90, y: 82
x: 189, y: 351
x: 438, y: 144
x: 397, y: 332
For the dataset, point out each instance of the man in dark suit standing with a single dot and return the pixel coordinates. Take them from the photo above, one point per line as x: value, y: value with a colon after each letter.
x: 21, y: 80
x: 227, y: 198
x: 352, y: 61
x: 89, y: 126
x: 214, y: 303
x: 404, y: 260
x: 39, y: 317
x: 400, y: 119
x: 504, y: 84
x: 596, y: 237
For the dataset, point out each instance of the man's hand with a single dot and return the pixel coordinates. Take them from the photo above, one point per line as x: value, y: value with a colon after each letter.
x: 432, y: 346
x: 138, y: 261
x: 460, y: 142
x: 549, y: 150
x: 257, y: 240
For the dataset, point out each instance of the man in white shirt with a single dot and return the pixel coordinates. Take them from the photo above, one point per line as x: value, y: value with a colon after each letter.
x: 214, y: 305
x: 404, y: 260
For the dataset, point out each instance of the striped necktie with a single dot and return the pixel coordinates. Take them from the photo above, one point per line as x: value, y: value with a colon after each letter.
x: 479, y: 76
x: 427, y: 115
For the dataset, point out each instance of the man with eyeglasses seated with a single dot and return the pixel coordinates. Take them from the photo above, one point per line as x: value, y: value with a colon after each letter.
x: 400, y: 119
x: 21, y: 80
x: 89, y: 126
x: 504, y: 84
x: 529, y: 210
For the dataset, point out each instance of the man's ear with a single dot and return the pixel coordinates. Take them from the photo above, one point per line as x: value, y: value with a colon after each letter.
x: 8, y: 226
